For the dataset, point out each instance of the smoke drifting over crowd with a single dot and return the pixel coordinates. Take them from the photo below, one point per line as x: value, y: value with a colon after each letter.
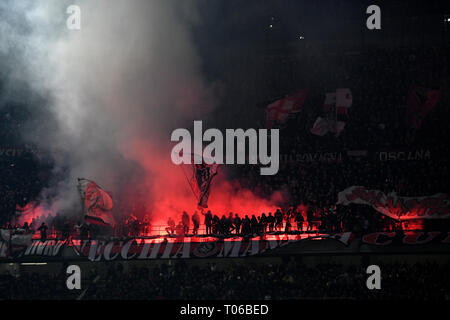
x: 113, y: 92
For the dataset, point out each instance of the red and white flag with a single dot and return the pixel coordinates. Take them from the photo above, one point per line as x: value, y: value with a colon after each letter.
x: 322, y: 126
x: 335, y: 109
x: 344, y: 100
x: 298, y: 99
x: 436, y: 206
x: 97, y: 203
x: 278, y: 111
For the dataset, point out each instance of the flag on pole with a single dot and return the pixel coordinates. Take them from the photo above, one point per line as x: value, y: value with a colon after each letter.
x: 419, y: 104
x: 344, y: 100
x: 278, y: 111
x: 97, y: 203
x: 335, y: 109
x: 201, y: 182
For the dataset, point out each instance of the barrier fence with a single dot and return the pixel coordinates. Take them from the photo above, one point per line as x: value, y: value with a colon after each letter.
x: 161, y: 230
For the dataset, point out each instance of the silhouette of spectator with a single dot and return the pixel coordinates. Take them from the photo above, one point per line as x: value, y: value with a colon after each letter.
x: 171, y: 226
x: 43, y: 230
x: 299, y: 220
x: 278, y: 219
x: 271, y: 221
x: 196, y: 222
x: 186, y: 222
x: 310, y: 217
x: 237, y: 223
x: 208, y: 221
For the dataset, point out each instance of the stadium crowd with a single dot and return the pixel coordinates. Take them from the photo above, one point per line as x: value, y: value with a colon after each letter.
x: 300, y: 220
x: 380, y: 80
x: 288, y: 280
x: 375, y: 123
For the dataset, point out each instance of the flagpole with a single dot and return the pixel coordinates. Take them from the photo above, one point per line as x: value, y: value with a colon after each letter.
x: 189, y: 184
x: 83, y: 208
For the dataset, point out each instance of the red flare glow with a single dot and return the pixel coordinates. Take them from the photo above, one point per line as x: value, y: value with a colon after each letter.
x: 169, y: 194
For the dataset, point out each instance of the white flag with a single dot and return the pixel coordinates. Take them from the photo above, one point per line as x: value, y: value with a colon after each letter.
x: 322, y: 126
x: 344, y: 98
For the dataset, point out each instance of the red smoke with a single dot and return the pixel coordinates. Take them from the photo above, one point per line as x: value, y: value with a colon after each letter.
x: 29, y: 211
x: 164, y: 191
x: 169, y: 193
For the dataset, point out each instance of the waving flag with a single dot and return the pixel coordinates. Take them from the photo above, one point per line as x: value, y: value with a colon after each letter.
x: 322, y: 126
x: 97, y: 203
x: 420, y: 103
x: 344, y: 100
x: 436, y: 206
x: 201, y: 182
x: 26, y: 210
x: 335, y: 109
x: 278, y: 111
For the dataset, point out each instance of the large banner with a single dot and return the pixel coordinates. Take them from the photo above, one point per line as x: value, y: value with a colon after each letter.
x: 408, y: 238
x: 402, y: 155
x: 312, y: 157
x: 176, y: 248
x: 97, y: 203
x: 193, y: 248
x: 401, y: 208
x: 367, y: 155
x: 45, y: 250
x: 15, y: 239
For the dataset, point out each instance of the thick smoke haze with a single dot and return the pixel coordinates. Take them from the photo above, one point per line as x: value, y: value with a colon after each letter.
x: 113, y: 91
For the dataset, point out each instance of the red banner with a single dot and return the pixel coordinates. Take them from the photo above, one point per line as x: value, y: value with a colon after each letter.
x: 420, y: 103
x: 401, y: 208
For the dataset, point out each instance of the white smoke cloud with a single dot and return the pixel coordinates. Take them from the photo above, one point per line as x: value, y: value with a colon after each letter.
x: 131, y: 73
x: 110, y: 95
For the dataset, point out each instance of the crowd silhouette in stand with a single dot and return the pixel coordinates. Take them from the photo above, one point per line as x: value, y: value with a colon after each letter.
x: 290, y: 279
